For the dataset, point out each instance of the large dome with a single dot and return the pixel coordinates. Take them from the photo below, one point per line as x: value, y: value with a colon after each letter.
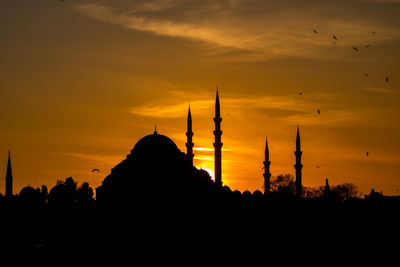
x: 155, y: 169
x: 154, y: 144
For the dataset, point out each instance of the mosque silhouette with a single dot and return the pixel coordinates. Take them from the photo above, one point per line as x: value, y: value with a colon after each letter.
x: 156, y: 204
x: 157, y: 171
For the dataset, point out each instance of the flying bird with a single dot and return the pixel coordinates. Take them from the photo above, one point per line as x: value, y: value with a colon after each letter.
x: 334, y: 37
x: 95, y: 170
x: 387, y: 79
x: 355, y: 48
x: 319, y: 111
x: 366, y: 74
x: 367, y: 45
x: 301, y: 93
x: 373, y: 32
x: 317, y: 166
x: 315, y: 31
x: 367, y: 154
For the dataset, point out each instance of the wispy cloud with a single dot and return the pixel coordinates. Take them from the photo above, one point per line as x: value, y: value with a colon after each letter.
x: 382, y: 90
x: 266, y: 29
x: 94, y: 158
x: 208, y: 149
x: 175, y: 106
x: 289, y: 109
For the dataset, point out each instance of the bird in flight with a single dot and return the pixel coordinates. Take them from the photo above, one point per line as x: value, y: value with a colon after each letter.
x: 319, y: 111
x: 317, y: 166
x: 373, y: 32
x: 334, y: 37
x: 367, y: 45
x: 387, y: 79
x: 367, y: 154
x: 366, y: 74
x: 301, y: 93
x: 355, y: 48
x: 95, y: 170
x: 315, y: 31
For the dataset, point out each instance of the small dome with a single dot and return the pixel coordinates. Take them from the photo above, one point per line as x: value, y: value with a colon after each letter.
x: 28, y: 190
x: 29, y: 194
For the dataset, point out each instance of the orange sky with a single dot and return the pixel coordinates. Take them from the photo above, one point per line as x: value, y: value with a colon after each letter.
x: 82, y: 81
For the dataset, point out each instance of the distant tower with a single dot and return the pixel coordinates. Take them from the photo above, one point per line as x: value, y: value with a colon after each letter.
x: 267, y: 174
x: 217, y: 144
x: 9, y: 178
x: 189, y: 134
x: 298, y: 166
x: 327, y: 189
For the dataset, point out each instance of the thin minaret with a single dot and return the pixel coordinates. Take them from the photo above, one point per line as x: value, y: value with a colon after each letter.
x: 9, y: 178
x: 217, y: 143
x: 298, y: 166
x: 189, y: 134
x: 327, y: 189
x: 267, y: 173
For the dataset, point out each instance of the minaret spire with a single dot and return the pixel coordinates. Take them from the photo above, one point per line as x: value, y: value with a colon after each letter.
x: 327, y: 189
x: 298, y: 166
x: 267, y: 173
x: 189, y: 134
x: 217, y: 144
x: 9, y: 178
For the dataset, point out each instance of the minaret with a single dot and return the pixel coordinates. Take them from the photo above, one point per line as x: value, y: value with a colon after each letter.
x: 327, y: 189
x: 267, y: 174
x: 189, y: 134
x: 9, y: 178
x: 298, y: 166
x: 217, y: 143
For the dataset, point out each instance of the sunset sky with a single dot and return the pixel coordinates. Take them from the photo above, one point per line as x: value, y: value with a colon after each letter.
x: 81, y: 81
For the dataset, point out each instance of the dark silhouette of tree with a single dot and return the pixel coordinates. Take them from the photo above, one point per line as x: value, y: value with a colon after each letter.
x: 344, y: 191
x: 44, y: 194
x: 313, y: 192
x: 63, y: 194
x: 84, y: 195
x: 284, y: 184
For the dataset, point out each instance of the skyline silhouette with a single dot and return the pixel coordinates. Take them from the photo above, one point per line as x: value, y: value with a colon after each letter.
x: 169, y: 131
x: 156, y: 202
x: 156, y: 158
x: 217, y: 175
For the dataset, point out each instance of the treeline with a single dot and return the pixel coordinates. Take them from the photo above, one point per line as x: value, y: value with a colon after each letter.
x: 285, y: 185
x: 67, y: 193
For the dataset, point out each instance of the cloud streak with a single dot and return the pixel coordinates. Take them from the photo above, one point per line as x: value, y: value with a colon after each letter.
x: 382, y: 90
x: 266, y: 29
x: 289, y: 109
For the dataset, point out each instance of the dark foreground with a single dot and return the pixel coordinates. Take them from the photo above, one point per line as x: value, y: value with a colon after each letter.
x: 295, y: 231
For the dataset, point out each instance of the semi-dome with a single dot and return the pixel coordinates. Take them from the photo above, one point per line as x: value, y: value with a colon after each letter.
x: 154, y: 144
